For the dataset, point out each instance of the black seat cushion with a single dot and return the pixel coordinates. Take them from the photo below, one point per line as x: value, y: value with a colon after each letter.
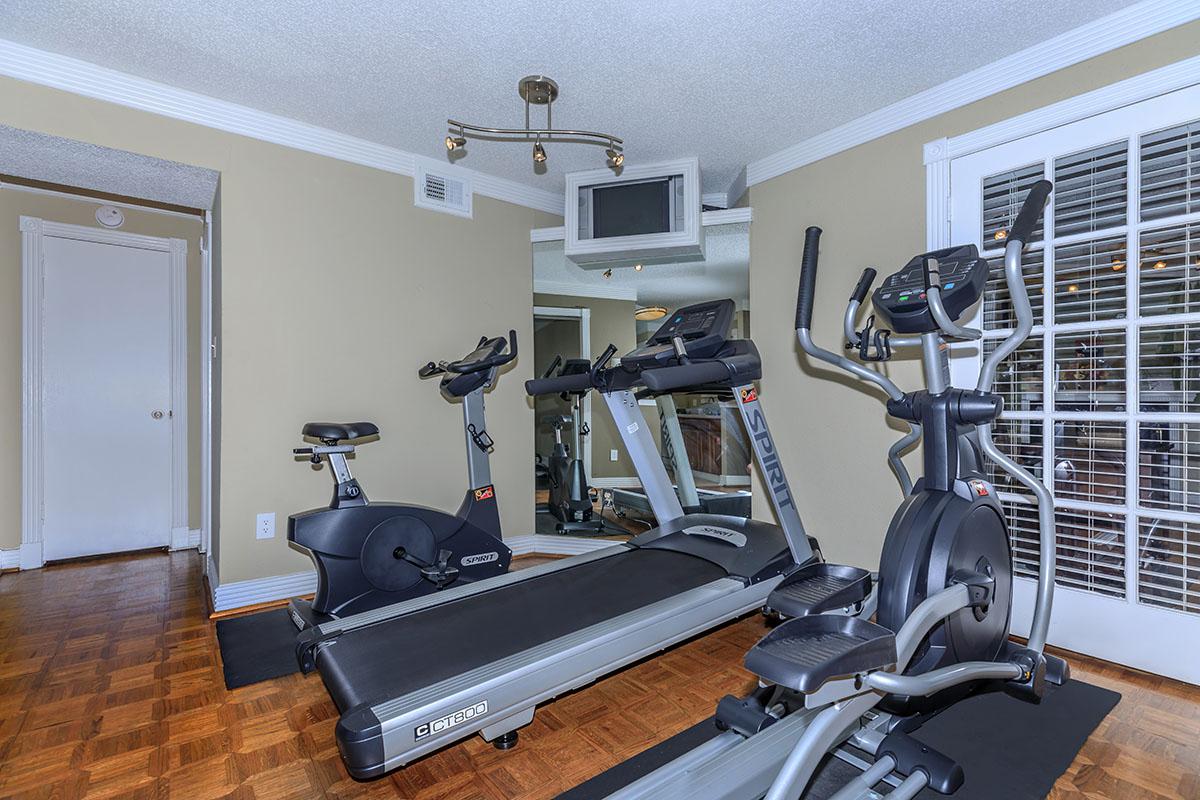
x: 339, y: 431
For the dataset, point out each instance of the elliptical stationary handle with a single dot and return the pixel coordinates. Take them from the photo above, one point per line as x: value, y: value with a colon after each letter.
x: 1035, y: 201
x: 864, y: 285
x: 808, y: 278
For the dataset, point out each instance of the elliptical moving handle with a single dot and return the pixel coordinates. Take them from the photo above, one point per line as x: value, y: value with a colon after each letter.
x: 1030, y: 211
x: 808, y: 278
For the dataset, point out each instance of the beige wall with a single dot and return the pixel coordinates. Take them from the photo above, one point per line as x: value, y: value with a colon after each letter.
x: 15, y: 203
x: 611, y: 322
x: 870, y: 201
x: 334, y: 289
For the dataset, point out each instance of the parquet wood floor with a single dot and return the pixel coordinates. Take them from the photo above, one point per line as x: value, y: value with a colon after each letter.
x: 110, y: 687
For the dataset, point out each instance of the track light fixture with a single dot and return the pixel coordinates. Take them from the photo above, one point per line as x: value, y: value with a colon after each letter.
x: 537, y: 90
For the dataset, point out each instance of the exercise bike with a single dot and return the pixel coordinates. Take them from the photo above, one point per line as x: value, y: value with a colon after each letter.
x: 370, y: 555
x: 570, y: 500
x: 831, y: 677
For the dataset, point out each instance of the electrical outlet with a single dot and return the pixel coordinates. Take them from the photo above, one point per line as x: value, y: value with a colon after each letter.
x: 613, y: 455
x: 264, y: 526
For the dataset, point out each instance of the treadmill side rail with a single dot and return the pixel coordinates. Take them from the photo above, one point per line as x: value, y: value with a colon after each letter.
x: 442, y: 713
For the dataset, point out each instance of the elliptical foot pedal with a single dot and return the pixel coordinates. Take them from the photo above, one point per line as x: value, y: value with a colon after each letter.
x: 803, y: 653
x: 820, y: 587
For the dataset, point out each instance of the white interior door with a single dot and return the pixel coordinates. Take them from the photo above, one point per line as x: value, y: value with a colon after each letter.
x: 106, y: 398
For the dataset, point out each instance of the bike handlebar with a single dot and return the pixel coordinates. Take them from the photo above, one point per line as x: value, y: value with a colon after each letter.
x: 498, y: 360
x: 462, y: 366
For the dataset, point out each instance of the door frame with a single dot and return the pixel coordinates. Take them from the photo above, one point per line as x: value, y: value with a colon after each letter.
x: 34, y: 231
x: 584, y: 315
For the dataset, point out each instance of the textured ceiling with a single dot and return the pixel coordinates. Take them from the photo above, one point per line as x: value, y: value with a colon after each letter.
x: 730, y: 82
x: 37, y: 156
x: 725, y: 271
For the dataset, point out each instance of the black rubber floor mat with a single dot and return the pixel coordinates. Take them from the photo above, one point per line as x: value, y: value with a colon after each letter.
x: 257, y: 647
x: 1010, y: 750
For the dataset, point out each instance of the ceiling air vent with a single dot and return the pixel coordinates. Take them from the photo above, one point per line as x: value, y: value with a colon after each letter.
x: 434, y: 188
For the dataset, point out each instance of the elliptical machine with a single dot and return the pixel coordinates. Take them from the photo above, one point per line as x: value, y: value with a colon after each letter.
x: 941, y: 599
x: 570, y: 501
x: 370, y: 555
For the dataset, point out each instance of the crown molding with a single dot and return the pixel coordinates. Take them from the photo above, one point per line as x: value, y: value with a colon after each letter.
x: 1163, y: 80
x: 101, y: 83
x: 727, y: 216
x: 584, y: 290
x: 736, y: 189
x: 556, y: 234
x: 1087, y: 41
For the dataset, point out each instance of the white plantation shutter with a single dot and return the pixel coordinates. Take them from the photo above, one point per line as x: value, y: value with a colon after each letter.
x: 1103, y: 400
x: 1170, y: 172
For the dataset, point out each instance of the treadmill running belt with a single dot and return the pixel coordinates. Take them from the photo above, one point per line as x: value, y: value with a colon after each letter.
x: 393, y: 658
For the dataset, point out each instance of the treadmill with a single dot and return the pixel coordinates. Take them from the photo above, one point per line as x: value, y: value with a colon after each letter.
x: 416, y: 676
x: 693, y: 498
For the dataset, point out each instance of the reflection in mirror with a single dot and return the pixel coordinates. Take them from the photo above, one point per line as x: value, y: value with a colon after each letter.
x: 577, y: 313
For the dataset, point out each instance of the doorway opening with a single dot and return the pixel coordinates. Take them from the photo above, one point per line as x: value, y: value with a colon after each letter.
x: 117, y: 352
x: 559, y: 335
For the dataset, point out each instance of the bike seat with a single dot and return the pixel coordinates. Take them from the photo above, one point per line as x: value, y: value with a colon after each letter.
x: 339, y: 431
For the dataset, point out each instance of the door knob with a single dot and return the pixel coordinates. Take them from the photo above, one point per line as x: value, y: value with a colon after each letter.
x: 156, y: 414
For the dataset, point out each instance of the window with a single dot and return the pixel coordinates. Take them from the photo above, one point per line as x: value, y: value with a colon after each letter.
x: 1103, y: 400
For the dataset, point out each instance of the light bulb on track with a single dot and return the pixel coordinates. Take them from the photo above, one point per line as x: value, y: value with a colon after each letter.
x: 539, y: 153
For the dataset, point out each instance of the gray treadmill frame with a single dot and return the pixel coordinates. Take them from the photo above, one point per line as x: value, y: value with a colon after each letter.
x: 512, y: 687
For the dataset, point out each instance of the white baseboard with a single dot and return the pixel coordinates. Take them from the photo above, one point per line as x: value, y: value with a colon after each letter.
x: 263, y: 590
x: 723, y: 480
x: 240, y: 594
x: 31, y: 555
x: 10, y: 559
x: 193, y: 538
x: 179, y: 538
x: 616, y: 483
x: 210, y: 572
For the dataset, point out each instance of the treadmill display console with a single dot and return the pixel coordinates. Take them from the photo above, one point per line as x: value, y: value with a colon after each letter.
x: 703, y: 327
x: 959, y: 272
